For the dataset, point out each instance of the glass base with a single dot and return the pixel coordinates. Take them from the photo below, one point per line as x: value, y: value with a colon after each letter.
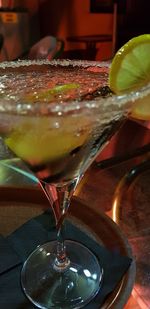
x: 72, y: 288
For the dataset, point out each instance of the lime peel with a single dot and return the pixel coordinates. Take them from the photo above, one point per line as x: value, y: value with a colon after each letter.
x: 49, y: 93
x: 130, y: 68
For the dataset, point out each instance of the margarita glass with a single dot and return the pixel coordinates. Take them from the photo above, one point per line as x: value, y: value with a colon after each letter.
x: 53, y: 116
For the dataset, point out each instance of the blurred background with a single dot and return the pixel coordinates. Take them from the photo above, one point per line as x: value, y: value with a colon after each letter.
x: 89, y: 29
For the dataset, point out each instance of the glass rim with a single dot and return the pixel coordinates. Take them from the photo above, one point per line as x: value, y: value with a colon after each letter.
x: 121, y: 101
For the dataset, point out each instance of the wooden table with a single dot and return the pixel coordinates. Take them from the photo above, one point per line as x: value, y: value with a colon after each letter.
x: 97, y: 189
x: 90, y: 42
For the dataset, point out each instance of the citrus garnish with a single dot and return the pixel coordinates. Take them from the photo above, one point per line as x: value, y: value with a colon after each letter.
x: 130, y: 70
x: 141, y: 108
x: 50, y: 93
x: 29, y: 142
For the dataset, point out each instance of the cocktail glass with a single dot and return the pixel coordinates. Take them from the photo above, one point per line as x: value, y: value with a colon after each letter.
x: 53, y: 117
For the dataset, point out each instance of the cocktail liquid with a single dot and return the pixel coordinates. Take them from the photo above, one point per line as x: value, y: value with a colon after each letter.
x: 57, y: 143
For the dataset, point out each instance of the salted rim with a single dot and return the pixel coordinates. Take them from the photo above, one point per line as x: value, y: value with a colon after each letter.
x: 119, y: 102
x: 63, y: 62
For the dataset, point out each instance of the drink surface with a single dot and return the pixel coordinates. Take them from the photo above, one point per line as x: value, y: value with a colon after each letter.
x: 50, y: 83
x: 58, y: 146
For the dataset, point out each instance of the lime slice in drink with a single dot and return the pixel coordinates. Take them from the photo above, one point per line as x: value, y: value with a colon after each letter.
x: 130, y: 70
x: 29, y: 140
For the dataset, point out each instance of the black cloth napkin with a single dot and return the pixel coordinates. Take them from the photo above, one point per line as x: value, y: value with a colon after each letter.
x: 16, y: 247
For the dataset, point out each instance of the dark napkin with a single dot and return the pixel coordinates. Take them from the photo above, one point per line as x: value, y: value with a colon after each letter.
x: 16, y: 247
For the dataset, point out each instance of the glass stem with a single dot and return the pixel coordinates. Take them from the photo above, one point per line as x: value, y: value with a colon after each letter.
x: 59, y: 196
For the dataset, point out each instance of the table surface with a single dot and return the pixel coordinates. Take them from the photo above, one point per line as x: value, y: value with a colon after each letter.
x: 97, y: 188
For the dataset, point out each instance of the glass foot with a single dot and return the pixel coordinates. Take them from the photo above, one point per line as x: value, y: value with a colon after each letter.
x: 71, y: 288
